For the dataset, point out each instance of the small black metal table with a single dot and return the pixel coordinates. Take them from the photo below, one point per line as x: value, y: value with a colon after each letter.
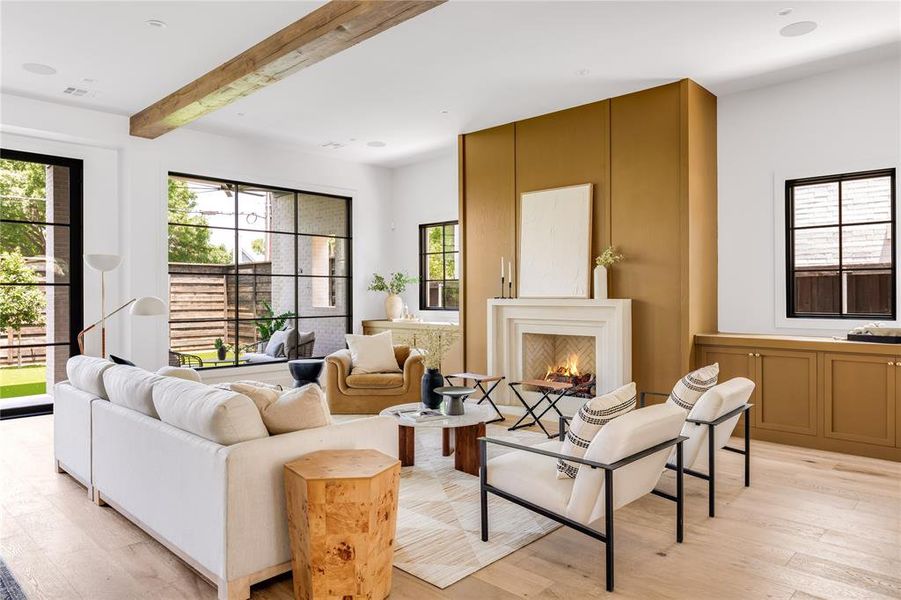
x: 479, y: 379
x: 546, y: 388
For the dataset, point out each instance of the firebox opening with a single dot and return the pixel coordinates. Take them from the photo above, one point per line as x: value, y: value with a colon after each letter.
x: 561, y: 358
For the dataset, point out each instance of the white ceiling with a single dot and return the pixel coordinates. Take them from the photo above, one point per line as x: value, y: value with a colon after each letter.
x: 485, y: 63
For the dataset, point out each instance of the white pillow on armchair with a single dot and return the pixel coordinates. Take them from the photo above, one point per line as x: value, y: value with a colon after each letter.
x: 372, y: 353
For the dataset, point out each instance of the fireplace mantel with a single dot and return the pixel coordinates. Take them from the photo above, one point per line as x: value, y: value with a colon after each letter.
x: 608, y: 321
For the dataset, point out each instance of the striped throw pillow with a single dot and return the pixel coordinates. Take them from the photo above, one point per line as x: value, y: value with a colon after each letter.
x: 690, y: 388
x: 593, y: 415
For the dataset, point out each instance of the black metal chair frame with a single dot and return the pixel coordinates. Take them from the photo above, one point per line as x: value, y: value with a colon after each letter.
x: 186, y: 360
x: 607, y: 535
x: 710, y: 476
x: 486, y: 395
x: 530, y: 410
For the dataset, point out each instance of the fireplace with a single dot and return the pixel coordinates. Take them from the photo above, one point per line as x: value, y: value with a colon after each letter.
x: 526, y: 336
x: 561, y: 358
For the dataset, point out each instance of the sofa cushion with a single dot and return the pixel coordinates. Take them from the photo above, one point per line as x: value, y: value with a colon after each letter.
x: 186, y: 373
x: 372, y: 353
x: 541, y: 486
x: 592, y: 416
x: 690, y: 388
x: 131, y: 387
x: 293, y: 410
x: 86, y: 374
x: 221, y: 416
x: 276, y: 345
x: 370, y: 381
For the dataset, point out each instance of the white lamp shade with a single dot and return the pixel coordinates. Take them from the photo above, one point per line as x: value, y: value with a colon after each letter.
x: 148, y: 306
x: 102, y: 262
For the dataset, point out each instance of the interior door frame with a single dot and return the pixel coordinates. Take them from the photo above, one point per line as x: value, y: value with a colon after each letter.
x: 76, y: 266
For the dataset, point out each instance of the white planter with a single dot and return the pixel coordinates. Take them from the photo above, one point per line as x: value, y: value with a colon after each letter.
x: 394, y: 307
x: 600, y: 283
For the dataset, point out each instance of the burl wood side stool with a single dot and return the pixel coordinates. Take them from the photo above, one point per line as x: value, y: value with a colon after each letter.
x: 342, y: 516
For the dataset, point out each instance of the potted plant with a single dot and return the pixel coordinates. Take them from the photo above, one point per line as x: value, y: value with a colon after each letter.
x: 608, y: 258
x: 393, y: 285
x: 434, y: 343
x: 221, y: 348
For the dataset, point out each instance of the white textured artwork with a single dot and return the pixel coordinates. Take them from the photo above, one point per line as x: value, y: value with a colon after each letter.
x: 555, y: 243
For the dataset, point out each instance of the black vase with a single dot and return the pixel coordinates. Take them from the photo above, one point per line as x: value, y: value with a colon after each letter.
x: 431, y: 379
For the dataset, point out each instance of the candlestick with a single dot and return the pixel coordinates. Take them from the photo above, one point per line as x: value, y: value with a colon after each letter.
x: 511, y: 290
x: 502, y: 286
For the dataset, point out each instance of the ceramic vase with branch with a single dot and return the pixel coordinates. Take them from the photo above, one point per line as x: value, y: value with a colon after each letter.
x: 434, y: 343
x: 394, y: 285
x: 607, y: 259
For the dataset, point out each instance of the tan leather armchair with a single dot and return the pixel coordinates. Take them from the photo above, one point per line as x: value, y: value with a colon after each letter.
x: 370, y: 393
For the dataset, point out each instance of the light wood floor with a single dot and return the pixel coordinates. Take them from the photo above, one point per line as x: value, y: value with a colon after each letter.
x: 813, y: 525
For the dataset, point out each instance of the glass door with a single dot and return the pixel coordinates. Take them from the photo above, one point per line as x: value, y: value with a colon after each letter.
x: 40, y: 277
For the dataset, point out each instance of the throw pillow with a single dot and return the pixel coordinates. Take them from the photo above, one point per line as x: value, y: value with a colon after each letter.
x: 261, y: 384
x: 180, y: 373
x: 296, y: 409
x: 593, y: 415
x: 276, y: 345
x: 372, y: 353
x: 121, y: 361
x: 690, y: 388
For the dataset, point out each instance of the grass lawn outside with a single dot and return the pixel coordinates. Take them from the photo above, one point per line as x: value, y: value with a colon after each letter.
x: 23, y: 381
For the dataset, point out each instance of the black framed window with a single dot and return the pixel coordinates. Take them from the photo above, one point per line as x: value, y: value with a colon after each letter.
x: 439, y: 266
x: 248, y: 260
x: 40, y: 277
x: 840, y: 246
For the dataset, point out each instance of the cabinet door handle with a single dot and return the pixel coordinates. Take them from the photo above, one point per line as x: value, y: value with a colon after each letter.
x: 891, y: 364
x: 751, y: 354
x: 757, y: 354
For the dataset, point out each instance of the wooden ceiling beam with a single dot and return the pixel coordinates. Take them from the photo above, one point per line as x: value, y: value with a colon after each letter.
x: 326, y: 31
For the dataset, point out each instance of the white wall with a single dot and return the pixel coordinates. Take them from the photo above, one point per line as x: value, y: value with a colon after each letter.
x: 125, y: 201
x: 837, y: 122
x: 423, y: 192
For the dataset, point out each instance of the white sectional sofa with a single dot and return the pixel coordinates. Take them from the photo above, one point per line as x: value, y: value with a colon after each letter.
x: 217, y: 503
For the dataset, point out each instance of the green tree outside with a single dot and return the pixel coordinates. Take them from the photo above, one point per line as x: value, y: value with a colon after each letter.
x: 23, y: 198
x: 20, y: 305
x: 191, y: 244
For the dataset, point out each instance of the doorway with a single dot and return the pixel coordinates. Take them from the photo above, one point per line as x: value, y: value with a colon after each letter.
x: 40, y: 277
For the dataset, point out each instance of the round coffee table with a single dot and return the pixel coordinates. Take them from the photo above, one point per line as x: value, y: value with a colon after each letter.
x: 460, y: 434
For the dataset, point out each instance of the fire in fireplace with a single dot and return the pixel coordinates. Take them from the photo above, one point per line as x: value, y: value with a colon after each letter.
x: 561, y: 358
x: 569, y: 372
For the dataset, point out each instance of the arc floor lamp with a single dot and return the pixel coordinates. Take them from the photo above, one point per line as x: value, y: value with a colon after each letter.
x: 142, y: 306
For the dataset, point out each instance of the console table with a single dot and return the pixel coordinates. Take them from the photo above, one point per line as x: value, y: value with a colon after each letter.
x: 406, y: 332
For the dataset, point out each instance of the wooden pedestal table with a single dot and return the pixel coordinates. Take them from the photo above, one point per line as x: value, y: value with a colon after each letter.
x: 460, y: 434
x: 342, y: 515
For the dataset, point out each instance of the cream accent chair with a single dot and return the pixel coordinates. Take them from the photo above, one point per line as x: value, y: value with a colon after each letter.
x: 622, y: 463
x: 370, y: 393
x: 710, y: 424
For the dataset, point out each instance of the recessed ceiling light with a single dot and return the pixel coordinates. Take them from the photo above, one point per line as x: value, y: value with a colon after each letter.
x: 240, y: 114
x: 376, y: 144
x: 39, y: 69
x: 156, y: 23
x: 783, y: 12
x: 583, y: 72
x: 796, y: 29
x: 445, y: 111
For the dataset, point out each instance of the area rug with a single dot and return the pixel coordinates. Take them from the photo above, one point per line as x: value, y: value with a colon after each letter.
x: 438, y: 531
x: 9, y: 587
